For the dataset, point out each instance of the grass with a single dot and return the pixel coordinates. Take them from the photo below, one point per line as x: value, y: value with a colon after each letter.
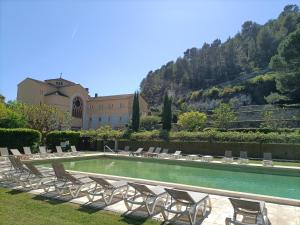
x: 21, y: 208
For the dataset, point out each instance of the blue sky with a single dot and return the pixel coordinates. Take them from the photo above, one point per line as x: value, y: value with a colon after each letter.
x: 110, y: 46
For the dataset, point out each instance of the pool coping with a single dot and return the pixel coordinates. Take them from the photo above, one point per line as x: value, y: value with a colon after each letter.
x: 214, y: 191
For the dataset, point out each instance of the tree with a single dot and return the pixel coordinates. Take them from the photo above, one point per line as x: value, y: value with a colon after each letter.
x: 11, y: 119
x: 274, y: 98
x: 150, y: 122
x: 222, y: 116
x: 135, y: 112
x: 167, y: 113
x: 44, y: 118
x: 192, y: 121
x: 287, y: 63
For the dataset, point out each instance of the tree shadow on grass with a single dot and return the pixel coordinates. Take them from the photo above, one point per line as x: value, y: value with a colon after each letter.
x: 15, y: 192
x: 134, y: 220
x: 52, y: 201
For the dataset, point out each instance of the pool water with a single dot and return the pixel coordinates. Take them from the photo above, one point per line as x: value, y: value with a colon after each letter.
x: 225, y: 177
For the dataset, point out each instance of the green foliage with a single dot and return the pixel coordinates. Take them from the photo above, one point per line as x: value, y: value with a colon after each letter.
x: 275, y: 98
x: 103, y: 133
x: 19, y: 137
x: 212, y: 135
x: 192, y: 121
x: 203, y: 68
x: 150, y: 122
x: 222, y: 116
x: 54, y: 138
x: 10, y: 119
x: 135, y: 112
x: 270, y: 122
x: 287, y: 63
x: 167, y: 113
x: 44, y: 118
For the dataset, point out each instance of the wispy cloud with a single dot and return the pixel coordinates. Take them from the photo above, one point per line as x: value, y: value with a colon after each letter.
x: 75, y: 29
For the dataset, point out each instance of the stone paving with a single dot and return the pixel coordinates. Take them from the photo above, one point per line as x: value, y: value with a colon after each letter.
x: 221, y: 208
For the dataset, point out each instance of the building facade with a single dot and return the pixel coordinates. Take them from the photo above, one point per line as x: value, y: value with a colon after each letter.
x: 87, y: 112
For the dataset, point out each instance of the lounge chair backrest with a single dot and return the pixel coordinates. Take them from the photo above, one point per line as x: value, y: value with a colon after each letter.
x: 165, y: 151
x: 59, y: 149
x: 151, y: 150
x: 18, y: 164
x: 243, y: 155
x: 4, y: 151
x: 142, y: 189
x: 228, y: 154
x: 245, y: 205
x: 101, y: 182
x: 62, y: 174
x: 177, y: 153
x: 139, y: 150
x: 27, y: 150
x: 42, y: 149
x: 33, y: 169
x: 73, y: 148
x: 15, y: 152
x: 126, y: 148
x: 13, y: 162
x: 180, y: 196
x: 157, y: 150
x: 267, y: 156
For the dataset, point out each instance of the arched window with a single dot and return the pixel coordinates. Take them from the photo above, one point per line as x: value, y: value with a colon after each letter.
x: 77, y: 107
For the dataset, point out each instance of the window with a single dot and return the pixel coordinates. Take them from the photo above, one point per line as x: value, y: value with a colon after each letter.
x: 108, y: 119
x: 120, y: 118
x: 77, y: 107
x: 100, y: 119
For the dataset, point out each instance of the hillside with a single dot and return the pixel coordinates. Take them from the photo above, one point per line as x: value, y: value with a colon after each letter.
x: 236, y: 71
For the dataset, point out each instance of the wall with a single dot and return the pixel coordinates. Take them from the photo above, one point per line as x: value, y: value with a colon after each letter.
x: 255, y: 150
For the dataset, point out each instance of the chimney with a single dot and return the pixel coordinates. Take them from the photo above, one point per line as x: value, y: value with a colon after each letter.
x: 96, y: 95
x: 87, y: 89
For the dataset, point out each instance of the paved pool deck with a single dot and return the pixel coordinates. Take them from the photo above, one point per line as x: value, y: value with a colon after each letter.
x: 278, y: 214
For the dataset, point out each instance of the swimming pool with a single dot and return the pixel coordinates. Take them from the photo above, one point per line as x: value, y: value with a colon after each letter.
x: 271, y: 182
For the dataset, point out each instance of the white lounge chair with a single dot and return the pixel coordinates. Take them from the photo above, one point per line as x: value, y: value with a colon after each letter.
x: 27, y: 151
x: 186, y: 203
x: 243, y: 159
x: 107, y: 190
x: 149, y: 152
x: 18, y: 154
x: 145, y: 196
x: 164, y: 153
x: 176, y: 155
x: 74, y: 150
x: 16, y: 170
x: 228, y: 157
x: 4, y: 153
x: 155, y: 153
x: 252, y: 213
x: 36, y: 178
x: 60, y: 153
x: 66, y: 183
x: 44, y: 153
x: 138, y: 152
x: 267, y: 161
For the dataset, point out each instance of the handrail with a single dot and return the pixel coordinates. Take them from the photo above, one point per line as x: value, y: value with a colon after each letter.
x: 107, y: 147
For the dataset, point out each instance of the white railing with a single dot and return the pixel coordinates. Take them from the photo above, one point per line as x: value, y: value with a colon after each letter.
x: 108, y: 148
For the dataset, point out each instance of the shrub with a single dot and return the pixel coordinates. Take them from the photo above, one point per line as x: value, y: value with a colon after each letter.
x: 222, y: 116
x: 192, y: 121
x: 150, y: 122
x: 54, y: 138
x: 19, y: 137
x: 11, y: 119
x: 104, y: 133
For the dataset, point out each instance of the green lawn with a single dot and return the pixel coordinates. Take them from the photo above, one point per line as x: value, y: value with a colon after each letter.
x: 21, y: 208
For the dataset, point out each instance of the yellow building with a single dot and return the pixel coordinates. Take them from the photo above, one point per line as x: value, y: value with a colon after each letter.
x: 87, y: 112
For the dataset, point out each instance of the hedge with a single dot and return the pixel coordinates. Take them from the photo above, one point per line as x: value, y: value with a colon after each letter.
x: 54, y: 138
x: 219, y: 136
x: 19, y: 137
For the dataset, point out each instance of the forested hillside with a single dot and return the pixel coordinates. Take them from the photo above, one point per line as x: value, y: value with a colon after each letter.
x: 238, y: 70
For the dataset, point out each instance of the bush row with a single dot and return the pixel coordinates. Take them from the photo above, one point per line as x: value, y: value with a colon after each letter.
x: 19, y: 137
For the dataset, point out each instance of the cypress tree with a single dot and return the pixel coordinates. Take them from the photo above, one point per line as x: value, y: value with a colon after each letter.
x: 136, y: 112
x: 167, y: 113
